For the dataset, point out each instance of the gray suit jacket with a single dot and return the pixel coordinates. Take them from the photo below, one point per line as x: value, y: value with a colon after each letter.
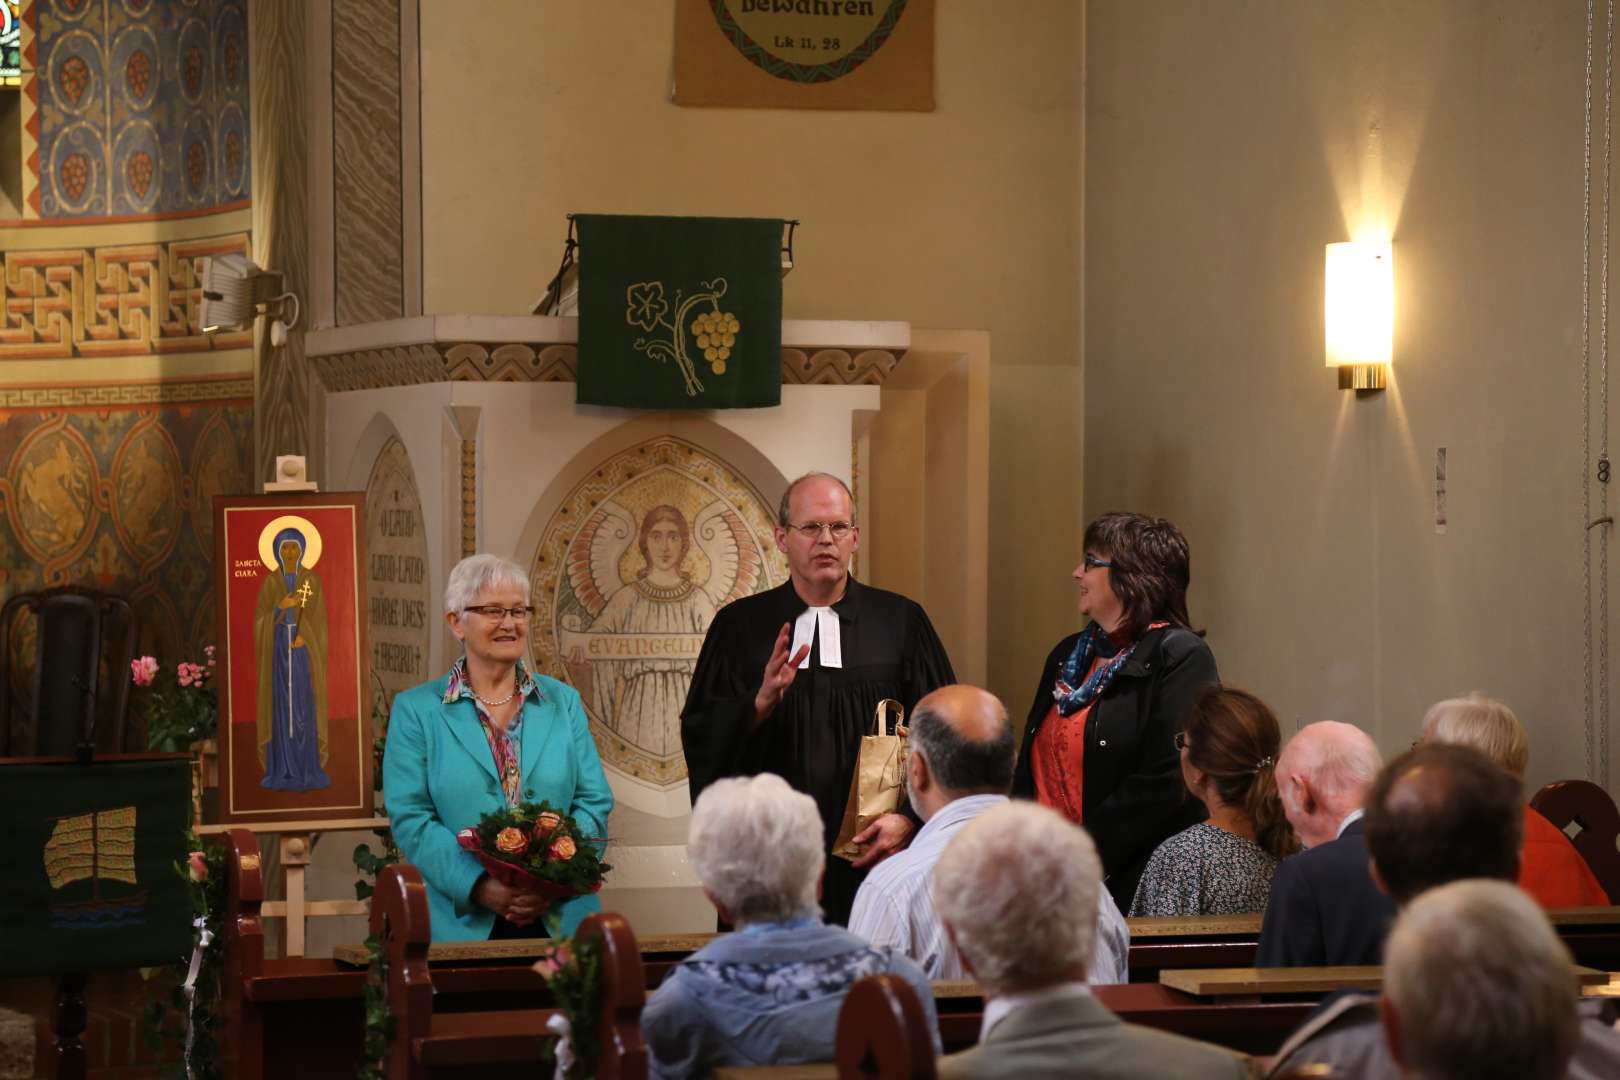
x: 1078, y: 1036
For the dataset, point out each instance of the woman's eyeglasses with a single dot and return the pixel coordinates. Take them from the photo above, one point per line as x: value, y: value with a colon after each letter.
x: 520, y: 613
x: 1091, y: 562
x: 1181, y: 740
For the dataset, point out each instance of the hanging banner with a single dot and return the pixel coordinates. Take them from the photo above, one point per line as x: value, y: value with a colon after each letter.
x: 805, y: 54
x: 680, y: 312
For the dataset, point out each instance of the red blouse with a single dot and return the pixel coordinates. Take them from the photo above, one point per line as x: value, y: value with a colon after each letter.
x: 1058, y: 757
x: 1552, y: 871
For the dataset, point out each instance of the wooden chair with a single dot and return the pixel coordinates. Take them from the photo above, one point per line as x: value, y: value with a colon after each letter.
x: 426, y: 1041
x: 1588, y: 807
x: 83, y: 636
x: 883, y: 1032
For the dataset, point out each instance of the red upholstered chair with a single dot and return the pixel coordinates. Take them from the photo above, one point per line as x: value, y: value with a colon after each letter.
x: 883, y: 1032
x: 1589, y: 808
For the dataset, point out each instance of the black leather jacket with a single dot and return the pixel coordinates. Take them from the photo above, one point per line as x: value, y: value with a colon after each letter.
x: 1133, y: 793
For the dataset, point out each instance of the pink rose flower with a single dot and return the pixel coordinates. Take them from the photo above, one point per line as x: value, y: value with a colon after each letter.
x: 182, y: 674
x: 553, y: 962
x: 511, y: 842
x: 208, y: 651
x: 545, y: 825
x: 197, y: 866
x: 562, y: 849
x: 143, y: 670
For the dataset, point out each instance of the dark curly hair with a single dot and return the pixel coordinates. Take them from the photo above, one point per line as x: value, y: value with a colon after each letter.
x: 1152, y: 567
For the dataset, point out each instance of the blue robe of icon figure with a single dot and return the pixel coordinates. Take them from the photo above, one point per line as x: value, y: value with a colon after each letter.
x: 290, y: 627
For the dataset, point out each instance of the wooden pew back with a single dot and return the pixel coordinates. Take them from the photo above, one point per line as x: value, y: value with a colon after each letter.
x: 1583, y: 803
x: 498, y: 1039
x: 883, y: 1032
x: 624, y: 1052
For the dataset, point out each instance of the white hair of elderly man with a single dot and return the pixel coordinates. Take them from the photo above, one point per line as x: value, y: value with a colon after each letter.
x: 1013, y: 868
x: 1476, y: 983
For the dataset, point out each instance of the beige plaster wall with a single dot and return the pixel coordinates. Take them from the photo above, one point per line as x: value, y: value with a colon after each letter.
x: 965, y: 217
x: 1226, y: 144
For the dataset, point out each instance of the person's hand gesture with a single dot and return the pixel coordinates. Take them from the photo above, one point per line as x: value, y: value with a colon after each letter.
x: 780, y: 671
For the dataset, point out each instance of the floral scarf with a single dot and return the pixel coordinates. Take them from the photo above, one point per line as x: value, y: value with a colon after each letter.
x: 1094, y: 641
x: 506, y: 746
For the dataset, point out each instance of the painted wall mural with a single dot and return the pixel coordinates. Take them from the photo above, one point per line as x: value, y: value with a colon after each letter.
x: 134, y: 108
x: 115, y: 300
x: 119, y: 498
x: 630, y: 570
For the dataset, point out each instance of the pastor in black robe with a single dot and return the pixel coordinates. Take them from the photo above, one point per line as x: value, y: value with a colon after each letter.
x: 812, y: 739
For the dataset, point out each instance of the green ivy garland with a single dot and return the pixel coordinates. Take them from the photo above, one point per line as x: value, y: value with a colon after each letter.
x: 176, y: 1019
x: 380, y: 1020
x: 573, y: 972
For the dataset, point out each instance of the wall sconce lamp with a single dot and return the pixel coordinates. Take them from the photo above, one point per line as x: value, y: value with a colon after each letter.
x: 1360, y: 309
x: 235, y: 291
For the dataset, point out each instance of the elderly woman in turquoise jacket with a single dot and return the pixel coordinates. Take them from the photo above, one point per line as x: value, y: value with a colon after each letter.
x: 489, y: 734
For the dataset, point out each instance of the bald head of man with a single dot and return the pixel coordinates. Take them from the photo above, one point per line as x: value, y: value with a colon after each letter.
x: 1323, y: 775
x: 961, y: 744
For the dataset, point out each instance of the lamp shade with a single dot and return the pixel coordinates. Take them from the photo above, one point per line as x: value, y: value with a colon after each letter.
x: 1360, y: 303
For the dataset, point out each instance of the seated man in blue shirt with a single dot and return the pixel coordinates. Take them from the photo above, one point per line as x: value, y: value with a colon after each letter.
x: 768, y: 994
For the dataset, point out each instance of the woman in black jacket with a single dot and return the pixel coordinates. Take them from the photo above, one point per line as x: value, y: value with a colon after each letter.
x: 1099, y: 745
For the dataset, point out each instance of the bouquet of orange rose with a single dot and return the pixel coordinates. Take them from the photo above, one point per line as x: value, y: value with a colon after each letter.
x: 537, y: 847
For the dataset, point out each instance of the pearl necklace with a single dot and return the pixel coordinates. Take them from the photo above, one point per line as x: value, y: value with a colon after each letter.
x: 497, y: 704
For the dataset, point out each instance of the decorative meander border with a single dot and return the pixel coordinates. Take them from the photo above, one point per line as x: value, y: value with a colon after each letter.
x: 115, y: 396
x: 111, y: 300
x: 409, y: 365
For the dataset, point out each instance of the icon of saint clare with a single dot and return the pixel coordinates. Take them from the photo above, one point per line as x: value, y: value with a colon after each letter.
x: 290, y: 643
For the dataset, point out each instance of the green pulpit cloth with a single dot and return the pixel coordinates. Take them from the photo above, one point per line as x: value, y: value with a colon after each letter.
x: 680, y: 312
x: 89, y: 855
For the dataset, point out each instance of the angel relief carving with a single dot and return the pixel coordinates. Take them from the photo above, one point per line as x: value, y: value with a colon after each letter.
x: 639, y: 583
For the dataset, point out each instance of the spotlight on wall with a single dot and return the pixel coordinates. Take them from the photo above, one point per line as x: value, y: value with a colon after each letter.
x: 1360, y: 313
x: 235, y: 290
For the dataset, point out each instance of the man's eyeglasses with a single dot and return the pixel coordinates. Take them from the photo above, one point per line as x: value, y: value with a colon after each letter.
x: 1181, y: 740
x: 811, y: 530
x: 520, y: 613
x: 1091, y: 562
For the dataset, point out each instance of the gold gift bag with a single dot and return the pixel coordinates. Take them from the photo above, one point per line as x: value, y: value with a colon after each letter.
x: 879, y: 782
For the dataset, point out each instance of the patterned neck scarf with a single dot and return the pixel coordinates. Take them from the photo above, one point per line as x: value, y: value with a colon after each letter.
x: 1094, y: 642
x: 506, y: 746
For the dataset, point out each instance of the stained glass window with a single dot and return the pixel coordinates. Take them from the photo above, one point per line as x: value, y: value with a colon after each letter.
x: 10, y: 44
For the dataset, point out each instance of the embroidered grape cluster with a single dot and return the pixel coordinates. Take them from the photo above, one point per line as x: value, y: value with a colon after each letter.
x: 716, y: 333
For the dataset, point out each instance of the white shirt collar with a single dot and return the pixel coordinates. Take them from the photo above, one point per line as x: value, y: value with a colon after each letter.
x: 1350, y: 819
x: 998, y: 1008
x: 805, y: 631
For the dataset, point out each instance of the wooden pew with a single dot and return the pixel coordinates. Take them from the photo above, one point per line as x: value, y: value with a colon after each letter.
x: 428, y: 1040
x: 1191, y: 942
x: 304, y: 1016
x: 1588, y: 808
x: 1230, y: 941
x: 1303, y: 981
x: 883, y: 1035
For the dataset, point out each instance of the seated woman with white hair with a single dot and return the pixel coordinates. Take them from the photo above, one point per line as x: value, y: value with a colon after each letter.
x: 1550, y: 869
x: 488, y: 734
x: 769, y: 993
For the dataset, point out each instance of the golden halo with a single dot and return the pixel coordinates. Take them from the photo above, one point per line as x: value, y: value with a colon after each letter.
x: 312, y: 541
